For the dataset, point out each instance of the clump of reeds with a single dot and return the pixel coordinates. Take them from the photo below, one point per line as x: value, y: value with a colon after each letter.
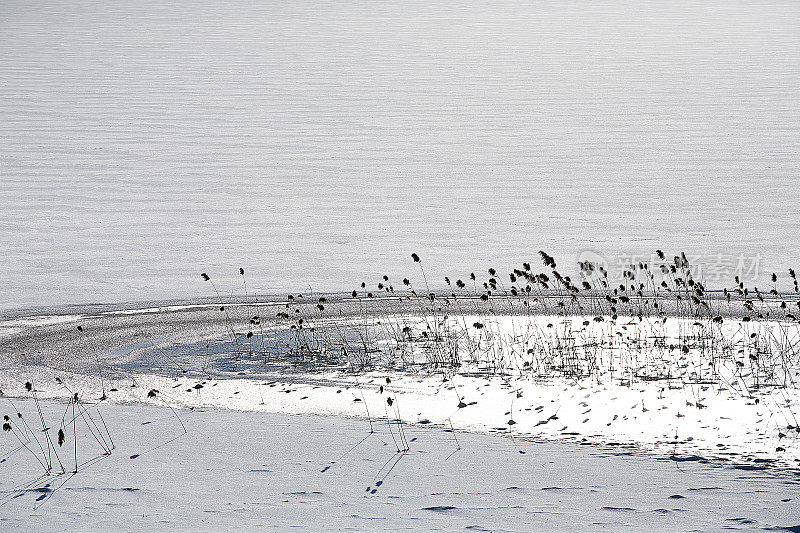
x: 48, y: 450
x: 657, y: 323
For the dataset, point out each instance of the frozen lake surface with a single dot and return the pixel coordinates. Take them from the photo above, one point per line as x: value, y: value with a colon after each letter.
x: 240, y: 471
x: 322, y: 142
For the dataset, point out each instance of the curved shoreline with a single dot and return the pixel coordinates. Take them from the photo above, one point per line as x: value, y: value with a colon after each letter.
x: 649, y: 415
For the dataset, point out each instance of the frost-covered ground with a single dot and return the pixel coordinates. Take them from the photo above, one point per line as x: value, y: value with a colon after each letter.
x: 322, y: 142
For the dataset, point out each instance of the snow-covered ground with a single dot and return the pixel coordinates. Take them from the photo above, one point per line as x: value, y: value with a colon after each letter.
x: 322, y: 142
x: 246, y: 471
x: 728, y: 427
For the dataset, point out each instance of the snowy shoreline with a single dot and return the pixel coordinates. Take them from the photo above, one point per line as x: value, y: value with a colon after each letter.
x: 632, y: 396
x: 728, y: 430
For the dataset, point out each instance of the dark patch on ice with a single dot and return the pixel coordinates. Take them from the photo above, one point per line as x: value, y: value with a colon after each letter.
x: 741, y: 520
x: 552, y: 488
x: 685, y: 458
x: 302, y: 493
x: 609, y: 508
x: 749, y: 467
x: 135, y: 456
x: 439, y: 508
x: 677, y: 497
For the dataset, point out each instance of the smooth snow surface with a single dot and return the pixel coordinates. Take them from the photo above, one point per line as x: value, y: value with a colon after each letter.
x: 255, y: 471
x: 322, y: 142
